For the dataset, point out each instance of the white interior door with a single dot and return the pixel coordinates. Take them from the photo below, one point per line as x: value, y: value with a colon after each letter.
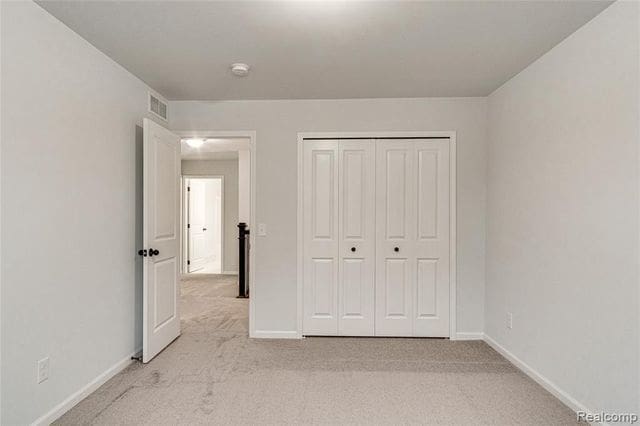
x: 357, y: 237
x: 412, y: 250
x: 376, y: 237
x: 431, y: 233
x: 197, y: 224
x: 321, y: 242
x: 213, y: 224
x: 395, y: 218
x: 161, y: 290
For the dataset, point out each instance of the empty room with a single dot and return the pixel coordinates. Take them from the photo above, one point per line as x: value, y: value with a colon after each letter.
x: 319, y: 212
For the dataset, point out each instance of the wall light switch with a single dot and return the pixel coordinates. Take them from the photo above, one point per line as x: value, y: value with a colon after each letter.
x: 262, y: 229
x: 509, y: 320
x: 43, y: 369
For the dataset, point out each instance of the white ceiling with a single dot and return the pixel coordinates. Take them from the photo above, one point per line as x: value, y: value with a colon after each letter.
x: 215, y: 149
x: 324, y: 49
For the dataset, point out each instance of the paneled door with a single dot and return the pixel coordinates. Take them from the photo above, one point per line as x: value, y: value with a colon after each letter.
x: 431, y: 233
x: 395, y: 245
x: 197, y: 224
x: 339, y: 236
x: 356, y: 272
x: 412, y: 247
x: 321, y: 240
x: 376, y: 241
x: 161, y: 290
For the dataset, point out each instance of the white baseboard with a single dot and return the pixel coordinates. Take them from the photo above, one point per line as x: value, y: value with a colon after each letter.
x: 471, y: 335
x: 563, y: 396
x: 268, y: 334
x: 57, y: 411
x: 230, y: 272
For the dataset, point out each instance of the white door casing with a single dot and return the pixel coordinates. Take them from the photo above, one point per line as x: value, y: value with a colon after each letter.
x: 356, y: 223
x: 161, y: 205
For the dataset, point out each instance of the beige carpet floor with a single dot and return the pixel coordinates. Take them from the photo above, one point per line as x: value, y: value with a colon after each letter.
x: 214, y: 374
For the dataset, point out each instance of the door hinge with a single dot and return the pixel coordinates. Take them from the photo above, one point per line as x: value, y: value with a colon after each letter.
x: 188, y: 262
x: 188, y: 188
x: 188, y: 225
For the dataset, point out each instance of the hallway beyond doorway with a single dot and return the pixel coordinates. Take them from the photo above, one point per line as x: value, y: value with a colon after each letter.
x: 209, y: 303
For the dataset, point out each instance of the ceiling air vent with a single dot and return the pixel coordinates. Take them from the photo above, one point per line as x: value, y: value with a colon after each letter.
x: 157, y: 106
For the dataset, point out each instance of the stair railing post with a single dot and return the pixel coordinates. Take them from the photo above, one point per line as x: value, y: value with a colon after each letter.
x: 242, y: 260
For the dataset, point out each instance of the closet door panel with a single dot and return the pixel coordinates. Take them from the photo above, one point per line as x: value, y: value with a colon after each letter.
x: 432, y: 238
x: 395, y: 220
x: 321, y: 242
x: 357, y: 237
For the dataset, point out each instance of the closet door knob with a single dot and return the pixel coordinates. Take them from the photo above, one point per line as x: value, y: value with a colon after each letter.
x: 142, y: 253
x: 153, y: 252
x: 396, y: 249
x: 353, y: 249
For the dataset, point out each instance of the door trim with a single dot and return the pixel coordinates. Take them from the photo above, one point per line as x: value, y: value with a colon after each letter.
x: 451, y: 135
x: 251, y: 135
x: 184, y: 216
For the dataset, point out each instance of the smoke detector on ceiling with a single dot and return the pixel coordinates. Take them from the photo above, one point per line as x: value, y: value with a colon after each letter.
x: 239, y: 69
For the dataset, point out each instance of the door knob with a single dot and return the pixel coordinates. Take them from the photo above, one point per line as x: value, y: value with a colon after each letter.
x: 142, y: 252
x: 153, y: 252
x: 353, y: 249
x: 204, y: 229
x: 396, y: 249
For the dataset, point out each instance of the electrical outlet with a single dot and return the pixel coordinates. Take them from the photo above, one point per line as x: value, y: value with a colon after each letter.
x: 509, y: 320
x: 43, y: 369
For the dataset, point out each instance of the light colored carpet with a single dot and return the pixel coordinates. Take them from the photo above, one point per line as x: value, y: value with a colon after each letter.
x: 214, y: 374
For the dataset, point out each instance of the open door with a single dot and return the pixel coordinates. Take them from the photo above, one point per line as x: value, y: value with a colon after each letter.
x: 161, y: 288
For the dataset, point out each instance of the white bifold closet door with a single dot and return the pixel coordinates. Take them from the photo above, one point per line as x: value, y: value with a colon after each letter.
x: 339, y: 237
x: 412, y: 247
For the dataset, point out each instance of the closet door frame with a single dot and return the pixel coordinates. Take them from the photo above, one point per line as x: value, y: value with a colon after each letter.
x: 451, y: 135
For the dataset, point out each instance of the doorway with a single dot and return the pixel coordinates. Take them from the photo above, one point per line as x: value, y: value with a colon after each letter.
x: 206, y: 293
x: 204, y: 232
x: 178, y: 298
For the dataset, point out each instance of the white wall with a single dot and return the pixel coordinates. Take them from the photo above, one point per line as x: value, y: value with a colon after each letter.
x: 277, y: 124
x: 228, y: 169
x: 562, y: 239
x: 70, y: 189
